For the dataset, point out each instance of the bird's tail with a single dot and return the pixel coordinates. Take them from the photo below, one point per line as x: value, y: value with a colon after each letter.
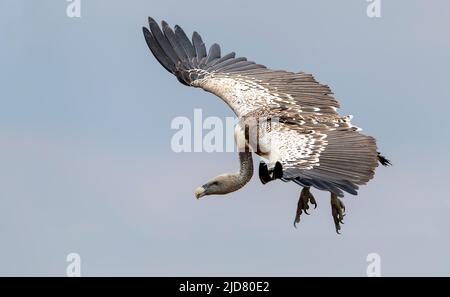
x: 383, y: 160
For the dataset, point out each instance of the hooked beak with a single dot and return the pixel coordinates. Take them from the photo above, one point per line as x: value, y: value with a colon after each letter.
x: 200, y: 192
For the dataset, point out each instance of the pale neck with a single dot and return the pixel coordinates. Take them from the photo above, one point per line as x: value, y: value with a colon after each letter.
x: 239, y: 179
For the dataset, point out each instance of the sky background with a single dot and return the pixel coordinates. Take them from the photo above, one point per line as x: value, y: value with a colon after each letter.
x: 86, y: 164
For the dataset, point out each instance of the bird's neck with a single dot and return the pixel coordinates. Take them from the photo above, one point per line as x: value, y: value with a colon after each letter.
x: 239, y: 179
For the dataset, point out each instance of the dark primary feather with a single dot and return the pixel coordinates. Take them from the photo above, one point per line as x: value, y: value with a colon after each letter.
x: 222, y: 65
x: 159, y: 54
x: 185, y: 43
x: 213, y: 54
x: 174, y: 42
x: 162, y: 41
x: 249, y: 66
x: 236, y: 66
x: 227, y: 57
x: 199, y: 45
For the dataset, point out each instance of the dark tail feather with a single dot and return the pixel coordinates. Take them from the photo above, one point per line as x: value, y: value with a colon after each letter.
x: 383, y: 160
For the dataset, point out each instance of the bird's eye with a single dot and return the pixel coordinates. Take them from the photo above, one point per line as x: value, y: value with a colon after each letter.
x: 214, y: 183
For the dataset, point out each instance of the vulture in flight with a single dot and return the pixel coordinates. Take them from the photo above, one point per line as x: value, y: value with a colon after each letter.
x: 289, y: 119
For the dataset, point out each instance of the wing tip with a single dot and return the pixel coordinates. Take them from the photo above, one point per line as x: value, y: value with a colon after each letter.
x: 151, y: 20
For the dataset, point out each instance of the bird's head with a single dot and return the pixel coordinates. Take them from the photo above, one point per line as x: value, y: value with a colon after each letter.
x: 217, y: 186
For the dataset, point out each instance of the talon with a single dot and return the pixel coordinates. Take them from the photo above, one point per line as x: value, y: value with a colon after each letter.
x: 337, y: 211
x: 297, y: 218
x: 303, y: 204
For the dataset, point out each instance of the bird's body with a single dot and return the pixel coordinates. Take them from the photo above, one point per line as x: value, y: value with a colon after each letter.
x: 287, y: 118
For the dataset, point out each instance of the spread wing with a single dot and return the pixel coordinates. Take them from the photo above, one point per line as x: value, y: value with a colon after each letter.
x: 244, y: 85
x: 334, y: 160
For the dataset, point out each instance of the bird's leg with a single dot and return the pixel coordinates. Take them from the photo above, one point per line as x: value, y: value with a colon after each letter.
x: 266, y: 175
x: 277, y: 171
x: 338, y: 212
x: 303, y: 204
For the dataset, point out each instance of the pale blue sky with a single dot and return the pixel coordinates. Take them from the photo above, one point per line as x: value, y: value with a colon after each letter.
x: 86, y: 164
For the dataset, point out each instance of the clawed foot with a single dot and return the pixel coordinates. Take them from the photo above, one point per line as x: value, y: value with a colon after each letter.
x: 303, y: 204
x: 338, y: 212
